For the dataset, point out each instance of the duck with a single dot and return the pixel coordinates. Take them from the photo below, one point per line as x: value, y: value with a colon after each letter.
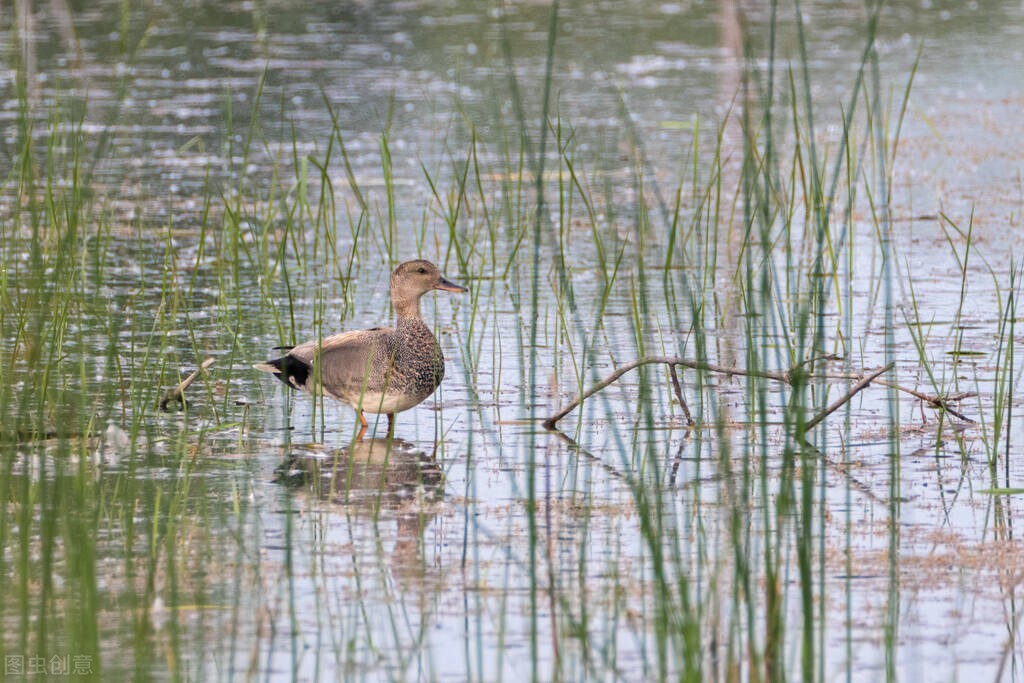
x: 380, y: 370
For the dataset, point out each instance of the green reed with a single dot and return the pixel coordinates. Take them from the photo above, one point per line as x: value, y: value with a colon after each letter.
x: 797, y: 522
x: 89, y: 348
x: 994, y: 398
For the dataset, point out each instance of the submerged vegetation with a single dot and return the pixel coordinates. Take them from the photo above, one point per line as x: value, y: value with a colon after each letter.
x: 734, y: 508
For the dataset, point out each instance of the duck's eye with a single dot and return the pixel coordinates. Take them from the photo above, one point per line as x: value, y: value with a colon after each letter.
x: 422, y: 270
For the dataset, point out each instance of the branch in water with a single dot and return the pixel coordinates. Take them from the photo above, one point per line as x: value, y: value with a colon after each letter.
x: 176, y: 395
x: 864, y: 379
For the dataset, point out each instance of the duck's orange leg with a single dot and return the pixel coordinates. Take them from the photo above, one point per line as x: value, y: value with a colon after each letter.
x: 362, y: 425
x: 391, y: 424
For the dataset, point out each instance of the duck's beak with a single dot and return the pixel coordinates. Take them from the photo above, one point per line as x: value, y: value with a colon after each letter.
x: 449, y: 286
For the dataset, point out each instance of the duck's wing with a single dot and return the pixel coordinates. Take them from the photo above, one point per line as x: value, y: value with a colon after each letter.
x: 350, y: 362
x: 345, y: 362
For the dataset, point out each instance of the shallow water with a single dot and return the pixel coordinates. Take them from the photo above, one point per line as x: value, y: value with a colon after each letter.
x: 484, y: 547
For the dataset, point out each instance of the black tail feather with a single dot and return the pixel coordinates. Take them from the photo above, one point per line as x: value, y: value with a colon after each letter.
x: 291, y: 371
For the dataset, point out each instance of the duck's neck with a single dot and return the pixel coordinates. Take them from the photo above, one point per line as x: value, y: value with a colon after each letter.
x: 407, y: 310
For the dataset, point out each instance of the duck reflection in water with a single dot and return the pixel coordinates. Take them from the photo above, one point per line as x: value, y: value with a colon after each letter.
x: 384, y: 478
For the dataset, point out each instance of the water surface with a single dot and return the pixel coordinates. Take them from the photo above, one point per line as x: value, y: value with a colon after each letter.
x: 248, y: 538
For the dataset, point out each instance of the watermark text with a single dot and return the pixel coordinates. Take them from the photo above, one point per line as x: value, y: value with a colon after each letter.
x: 56, y: 665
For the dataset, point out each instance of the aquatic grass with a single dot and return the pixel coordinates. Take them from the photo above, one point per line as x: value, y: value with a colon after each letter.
x: 995, y: 403
x: 773, y: 661
x: 46, y: 294
x: 82, y: 360
x: 1007, y: 377
x: 389, y: 222
x: 963, y: 264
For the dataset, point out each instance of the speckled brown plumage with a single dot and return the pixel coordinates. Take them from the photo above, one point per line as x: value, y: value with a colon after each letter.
x: 381, y: 370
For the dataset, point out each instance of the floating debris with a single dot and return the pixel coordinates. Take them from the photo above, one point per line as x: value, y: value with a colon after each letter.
x: 176, y: 395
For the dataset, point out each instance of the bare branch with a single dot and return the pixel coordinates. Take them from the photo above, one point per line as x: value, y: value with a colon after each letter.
x: 176, y: 395
x: 941, y: 402
x: 863, y: 383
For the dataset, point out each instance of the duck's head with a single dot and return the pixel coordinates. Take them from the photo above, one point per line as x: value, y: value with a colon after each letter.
x: 413, y: 279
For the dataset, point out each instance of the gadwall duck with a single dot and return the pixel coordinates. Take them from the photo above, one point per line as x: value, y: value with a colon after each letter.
x: 381, y: 370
